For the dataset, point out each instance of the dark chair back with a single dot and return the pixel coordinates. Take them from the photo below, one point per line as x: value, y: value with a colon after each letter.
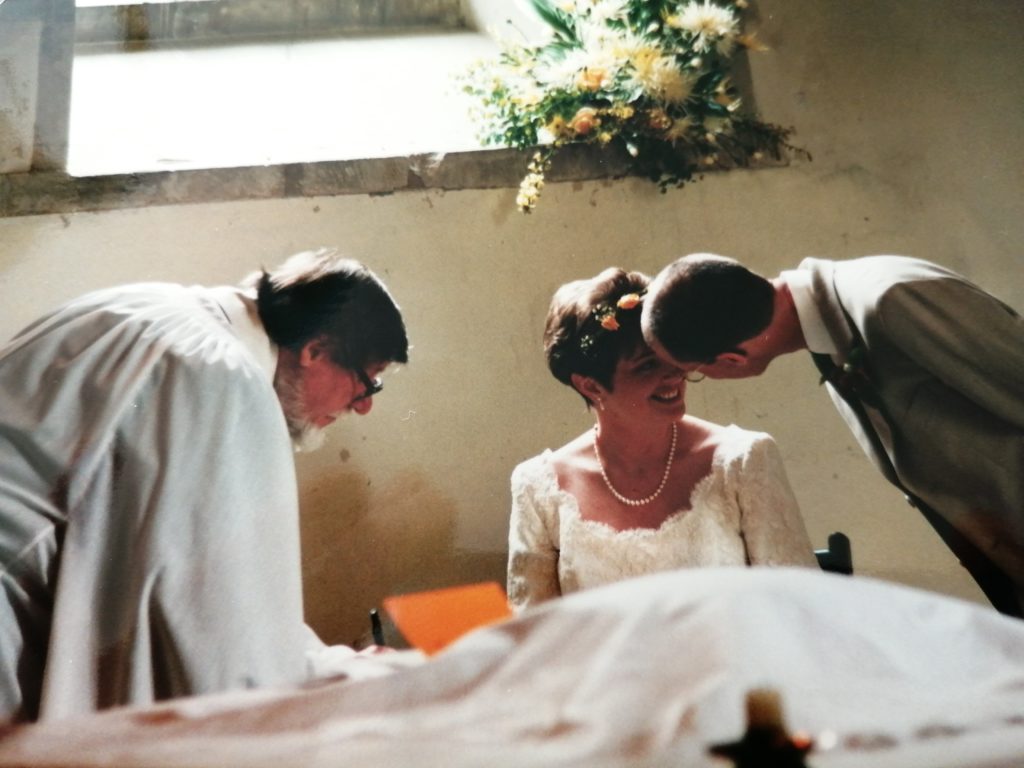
x: 838, y: 558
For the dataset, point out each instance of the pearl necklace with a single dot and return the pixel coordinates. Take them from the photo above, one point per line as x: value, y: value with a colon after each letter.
x: 661, y: 485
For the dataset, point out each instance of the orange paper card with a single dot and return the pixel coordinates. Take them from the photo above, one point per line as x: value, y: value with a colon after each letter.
x: 431, y: 620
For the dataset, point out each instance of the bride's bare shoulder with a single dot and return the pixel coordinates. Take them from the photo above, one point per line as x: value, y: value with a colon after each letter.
x: 574, y: 456
x: 703, y: 433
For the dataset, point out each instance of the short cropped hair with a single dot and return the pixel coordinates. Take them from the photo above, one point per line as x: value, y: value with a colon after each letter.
x: 575, y: 341
x: 703, y: 305
x: 319, y: 294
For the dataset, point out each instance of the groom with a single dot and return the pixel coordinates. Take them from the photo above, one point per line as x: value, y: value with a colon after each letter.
x: 926, y: 369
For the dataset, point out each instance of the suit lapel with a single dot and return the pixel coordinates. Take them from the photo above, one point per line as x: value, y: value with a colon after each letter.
x: 849, y: 384
x: 830, y: 307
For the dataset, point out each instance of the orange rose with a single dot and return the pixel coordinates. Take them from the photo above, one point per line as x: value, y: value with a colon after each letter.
x: 609, y: 323
x: 591, y: 78
x: 628, y: 301
x: 584, y: 121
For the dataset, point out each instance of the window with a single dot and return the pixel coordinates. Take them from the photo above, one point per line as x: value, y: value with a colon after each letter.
x: 226, y: 83
x: 147, y: 103
x: 114, y: 87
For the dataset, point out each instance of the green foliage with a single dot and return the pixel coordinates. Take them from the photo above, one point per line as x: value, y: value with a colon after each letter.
x: 560, y: 22
x: 650, y: 77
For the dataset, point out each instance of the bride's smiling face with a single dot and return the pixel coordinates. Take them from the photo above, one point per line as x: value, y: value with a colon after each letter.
x: 644, y: 381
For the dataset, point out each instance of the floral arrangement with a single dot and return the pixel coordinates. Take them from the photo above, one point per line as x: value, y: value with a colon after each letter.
x: 651, y: 76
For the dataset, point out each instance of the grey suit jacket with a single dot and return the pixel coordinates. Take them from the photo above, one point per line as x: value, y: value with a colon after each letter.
x: 947, y: 361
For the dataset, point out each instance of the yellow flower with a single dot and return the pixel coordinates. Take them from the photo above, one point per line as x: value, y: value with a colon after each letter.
x: 679, y: 129
x: 609, y: 323
x: 628, y: 301
x: 557, y: 127
x: 751, y: 43
x: 530, y: 98
x: 661, y: 79
x: 529, y: 188
x: 641, y: 57
x: 659, y: 120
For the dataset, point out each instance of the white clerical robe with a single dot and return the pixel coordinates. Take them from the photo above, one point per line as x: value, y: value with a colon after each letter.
x: 148, y: 507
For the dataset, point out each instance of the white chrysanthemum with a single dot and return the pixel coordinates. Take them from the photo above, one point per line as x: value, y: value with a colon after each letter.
x: 594, y: 66
x: 562, y: 73
x: 596, y: 36
x: 606, y: 10
x: 661, y: 78
x: 710, y: 24
x: 629, y: 47
x: 521, y: 87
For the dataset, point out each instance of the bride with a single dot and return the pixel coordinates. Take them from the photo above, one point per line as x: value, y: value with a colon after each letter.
x: 650, y: 487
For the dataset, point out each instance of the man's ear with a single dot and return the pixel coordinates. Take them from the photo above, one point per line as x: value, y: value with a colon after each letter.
x: 736, y: 358
x: 313, y: 351
x: 588, y: 387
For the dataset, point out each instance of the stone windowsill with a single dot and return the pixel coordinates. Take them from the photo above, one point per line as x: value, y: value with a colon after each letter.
x: 27, y: 194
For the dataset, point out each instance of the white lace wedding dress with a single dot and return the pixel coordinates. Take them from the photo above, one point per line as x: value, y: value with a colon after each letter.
x: 742, y: 512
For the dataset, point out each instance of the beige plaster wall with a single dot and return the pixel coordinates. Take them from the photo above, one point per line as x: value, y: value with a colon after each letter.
x: 912, y: 112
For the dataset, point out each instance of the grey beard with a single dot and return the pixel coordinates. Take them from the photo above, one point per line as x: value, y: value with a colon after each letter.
x: 306, y: 437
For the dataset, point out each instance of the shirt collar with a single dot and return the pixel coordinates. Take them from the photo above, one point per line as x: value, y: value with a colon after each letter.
x: 815, y: 333
x: 239, y: 306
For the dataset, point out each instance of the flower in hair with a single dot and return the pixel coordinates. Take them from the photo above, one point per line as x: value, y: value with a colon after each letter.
x: 628, y: 301
x: 607, y: 317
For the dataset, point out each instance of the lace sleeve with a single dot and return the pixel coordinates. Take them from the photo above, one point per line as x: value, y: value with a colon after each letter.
x: 773, y: 529
x: 532, y: 546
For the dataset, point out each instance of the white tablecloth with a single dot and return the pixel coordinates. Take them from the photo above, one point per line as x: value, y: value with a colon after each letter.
x: 648, y: 672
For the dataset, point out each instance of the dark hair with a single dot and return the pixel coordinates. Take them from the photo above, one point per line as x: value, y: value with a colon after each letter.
x: 574, y: 339
x: 703, y: 305
x: 317, y: 294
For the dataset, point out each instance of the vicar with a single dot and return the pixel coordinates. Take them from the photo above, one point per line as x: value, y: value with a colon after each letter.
x: 926, y: 368
x: 148, y: 503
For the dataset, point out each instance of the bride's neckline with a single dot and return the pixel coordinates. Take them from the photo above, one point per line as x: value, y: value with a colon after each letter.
x: 699, y: 489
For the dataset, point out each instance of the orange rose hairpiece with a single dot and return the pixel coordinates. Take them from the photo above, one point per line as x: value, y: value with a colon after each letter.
x: 629, y: 301
x: 607, y: 319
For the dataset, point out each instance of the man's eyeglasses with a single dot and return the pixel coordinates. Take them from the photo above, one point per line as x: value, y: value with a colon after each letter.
x: 371, y: 387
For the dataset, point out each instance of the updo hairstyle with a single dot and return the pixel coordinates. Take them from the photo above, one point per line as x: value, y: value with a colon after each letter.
x: 576, y: 341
